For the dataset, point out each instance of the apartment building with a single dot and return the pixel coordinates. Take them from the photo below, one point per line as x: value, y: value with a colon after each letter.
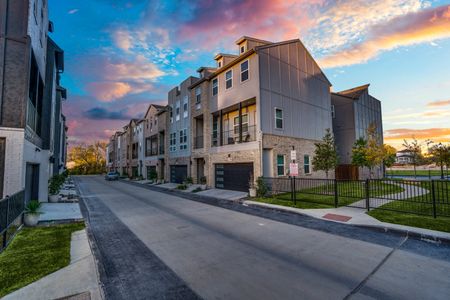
x: 179, y: 127
x: 353, y: 111
x: 32, y: 126
x: 253, y: 109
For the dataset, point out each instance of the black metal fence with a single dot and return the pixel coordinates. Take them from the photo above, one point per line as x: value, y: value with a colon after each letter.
x: 11, y: 210
x: 417, y: 197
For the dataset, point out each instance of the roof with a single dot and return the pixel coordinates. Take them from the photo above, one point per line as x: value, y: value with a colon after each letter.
x: 219, y: 55
x: 157, y: 106
x: 249, y: 38
x: 355, y: 92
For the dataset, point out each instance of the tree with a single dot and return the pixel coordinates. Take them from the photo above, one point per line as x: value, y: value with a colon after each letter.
x: 390, y: 154
x: 88, y: 159
x: 325, y: 155
x: 368, y: 152
x: 415, y: 150
x: 440, y: 154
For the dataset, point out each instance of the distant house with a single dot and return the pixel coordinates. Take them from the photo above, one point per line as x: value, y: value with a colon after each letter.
x: 404, y: 157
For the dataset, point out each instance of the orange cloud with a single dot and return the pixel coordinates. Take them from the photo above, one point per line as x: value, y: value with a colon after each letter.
x: 410, y: 29
x: 139, y: 70
x: 439, y: 103
x: 395, y: 137
x: 109, y: 91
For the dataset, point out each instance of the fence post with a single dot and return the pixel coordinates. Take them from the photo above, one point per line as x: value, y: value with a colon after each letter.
x: 5, y: 233
x: 367, y: 195
x: 294, y: 194
x: 335, y: 193
x: 433, y: 195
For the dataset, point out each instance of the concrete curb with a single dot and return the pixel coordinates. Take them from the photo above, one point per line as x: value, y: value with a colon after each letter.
x: 410, y: 232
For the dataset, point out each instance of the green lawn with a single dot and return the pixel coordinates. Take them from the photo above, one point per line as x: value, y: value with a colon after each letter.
x: 420, y: 209
x: 411, y: 172
x: 322, y: 196
x: 34, y: 253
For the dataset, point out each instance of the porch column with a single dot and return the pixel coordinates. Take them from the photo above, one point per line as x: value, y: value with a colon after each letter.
x: 240, y: 122
x: 221, y: 128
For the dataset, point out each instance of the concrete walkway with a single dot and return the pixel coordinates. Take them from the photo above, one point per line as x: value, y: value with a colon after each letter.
x: 60, y: 212
x: 79, y: 277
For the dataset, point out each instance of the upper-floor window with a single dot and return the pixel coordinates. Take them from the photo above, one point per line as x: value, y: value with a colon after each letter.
x: 198, y: 94
x: 185, y: 106
x: 244, y: 124
x: 229, y: 79
x: 220, y: 64
x: 306, y: 166
x: 171, y: 114
x: 173, y: 142
x: 177, y: 111
x: 215, y: 86
x: 280, y: 165
x: 183, y: 139
x: 333, y: 113
x: 278, y: 118
x: 242, y: 49
x: 244, y: 71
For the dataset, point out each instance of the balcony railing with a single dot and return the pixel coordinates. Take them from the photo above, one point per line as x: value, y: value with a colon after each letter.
x: 231, y: 137
x: 33, y: 119
x: 198, y: 142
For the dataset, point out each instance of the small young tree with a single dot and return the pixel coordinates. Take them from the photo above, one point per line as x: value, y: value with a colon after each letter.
x: 368, y: 152
x: 359, y: 153
x: 325, y: 155
x: 415, y: 150
x: 440, y: 154
x: 390, y: 153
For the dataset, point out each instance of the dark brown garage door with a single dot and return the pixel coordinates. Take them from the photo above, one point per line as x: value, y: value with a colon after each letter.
x: 178, y: 173
x: 233, y: 176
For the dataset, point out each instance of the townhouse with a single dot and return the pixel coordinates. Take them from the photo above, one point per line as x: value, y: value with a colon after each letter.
x: 242, y: 118
x: 32, y: 126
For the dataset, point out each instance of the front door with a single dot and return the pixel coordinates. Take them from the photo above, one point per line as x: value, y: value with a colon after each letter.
x: 31, y: 182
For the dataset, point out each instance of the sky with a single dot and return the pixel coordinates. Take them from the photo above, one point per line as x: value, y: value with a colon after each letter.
x: 122, y: 55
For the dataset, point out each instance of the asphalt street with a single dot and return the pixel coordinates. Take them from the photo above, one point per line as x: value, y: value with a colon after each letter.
x: 153, y: 245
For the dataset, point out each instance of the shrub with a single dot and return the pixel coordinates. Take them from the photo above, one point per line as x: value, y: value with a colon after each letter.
x: 152, y: 175
x: 196, y: 190
x: 261, y: 187
x: 188, y: 180
x: 33, y: 207
x: 182, y: 187
x: 203, y: 180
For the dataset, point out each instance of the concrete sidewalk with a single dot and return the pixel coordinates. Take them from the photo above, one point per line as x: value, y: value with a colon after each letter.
x: 60, y: 212
x: 79, y: 277
x: 355, y: 216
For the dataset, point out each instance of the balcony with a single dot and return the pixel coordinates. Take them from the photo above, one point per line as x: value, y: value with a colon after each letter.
x: 234, y: 136
x: 198, y: 142
x: 33, y: 118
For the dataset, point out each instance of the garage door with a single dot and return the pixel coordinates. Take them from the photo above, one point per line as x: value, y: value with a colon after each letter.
x: 178, y: 173
x: 233, y: 176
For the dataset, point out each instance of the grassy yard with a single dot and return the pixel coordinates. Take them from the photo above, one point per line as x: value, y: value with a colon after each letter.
x: 34, y: 253
x: 322, y: 196
x: 420, y: 209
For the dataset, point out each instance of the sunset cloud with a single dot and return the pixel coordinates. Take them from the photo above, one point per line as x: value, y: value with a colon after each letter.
x: 437, y: 134
x: 439, y: 103
x: 410, y: 29
x: 109, y: 91
x: 98, y: 113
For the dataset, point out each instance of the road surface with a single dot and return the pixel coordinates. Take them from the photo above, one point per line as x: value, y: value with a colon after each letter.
x: 157, y: 245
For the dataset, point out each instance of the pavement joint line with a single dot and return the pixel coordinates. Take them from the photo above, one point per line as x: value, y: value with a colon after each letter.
x: 380, y: 264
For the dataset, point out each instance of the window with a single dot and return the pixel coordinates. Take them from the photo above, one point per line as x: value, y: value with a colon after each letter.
x: 177, y: 111
x: 171, y: 114
x: 280, y: 165
x: 215, y: 86
x: 183, y: 139
x: 244, y: 124
x: 229, y: 79
x: 278, y: 118
x: 173, y: 142
x: 244, y: 71
x: 306, y: 164
x: 220, y: 64
x: 333, y: 114
x: 198, y: 94
x: 185, y: 106
x: 242, y: 49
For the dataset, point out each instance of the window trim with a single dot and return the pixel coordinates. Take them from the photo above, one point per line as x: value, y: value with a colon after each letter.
x: 248, y: 70
x: 276, y: 118
x: 231, y: 79
x: 217, y: 86
x: 284, y: 165
x: 307, y: 164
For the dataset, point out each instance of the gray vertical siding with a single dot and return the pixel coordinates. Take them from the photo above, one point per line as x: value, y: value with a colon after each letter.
x: 291, y: 80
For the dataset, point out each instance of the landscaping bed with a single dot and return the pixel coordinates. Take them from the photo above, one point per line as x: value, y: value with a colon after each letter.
x: 34, y: 253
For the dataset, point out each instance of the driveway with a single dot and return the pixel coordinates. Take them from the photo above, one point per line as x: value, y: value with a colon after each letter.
x: 156, y: 245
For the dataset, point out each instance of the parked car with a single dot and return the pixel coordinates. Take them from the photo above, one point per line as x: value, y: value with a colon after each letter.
x: 112, y: 176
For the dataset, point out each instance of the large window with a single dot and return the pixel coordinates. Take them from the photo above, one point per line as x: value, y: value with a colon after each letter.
x: 177, y: 111
x: 280, y: 165
x: 278, y: 118
x: 185, y: 106
x: 215, y: 86
x: 171, y: 114
x: 333, y: 114
x: 229, y: 79
x: 183, y: 139
x: 244, y: 124
x: 173, y: 142
x: 306, y: 165
x: 198, y: 94
x: 244, y: 71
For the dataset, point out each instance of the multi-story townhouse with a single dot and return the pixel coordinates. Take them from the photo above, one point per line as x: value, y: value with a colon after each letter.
x: 253, y: 109
x: 134, y: 133
x: 155, y: 141
x: 122, y: 152
x: 32, y: 129
x: 353, y: 111
x: 179, y: 156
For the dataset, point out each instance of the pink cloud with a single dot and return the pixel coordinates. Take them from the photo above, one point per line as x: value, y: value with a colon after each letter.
x: 109, y: 91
